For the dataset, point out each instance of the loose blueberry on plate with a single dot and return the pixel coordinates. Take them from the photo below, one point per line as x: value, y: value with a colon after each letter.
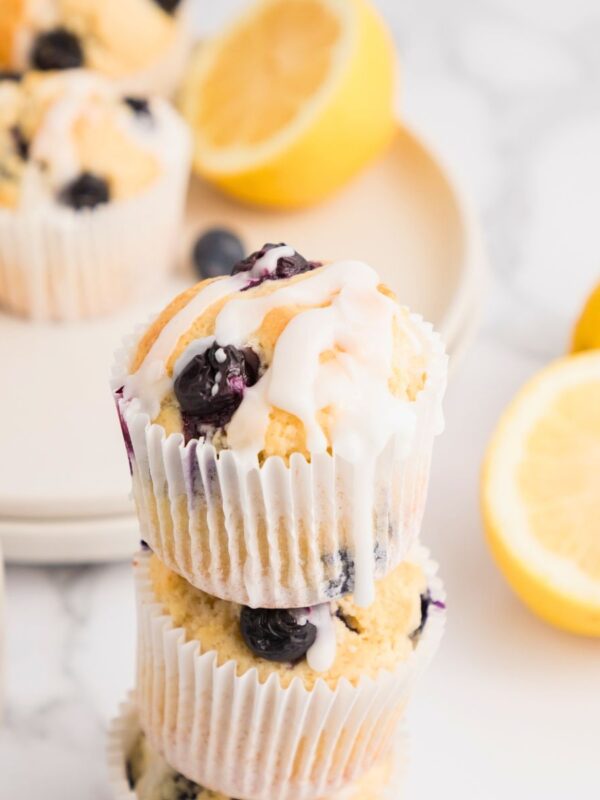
x: 215, y: 253
x: 170, y: 6
x: 139, y: 106
x: 211, y: 386
x: 276, y: 634
x: 57, y: 49
x: 86, y: 191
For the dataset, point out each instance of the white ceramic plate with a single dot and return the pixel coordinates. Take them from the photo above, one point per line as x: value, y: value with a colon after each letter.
x: 64, y: 484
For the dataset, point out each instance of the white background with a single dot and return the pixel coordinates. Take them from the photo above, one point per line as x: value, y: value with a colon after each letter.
x: 509, y: 92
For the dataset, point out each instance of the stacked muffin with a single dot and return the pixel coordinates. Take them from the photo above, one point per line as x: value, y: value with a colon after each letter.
x: 279, y: 425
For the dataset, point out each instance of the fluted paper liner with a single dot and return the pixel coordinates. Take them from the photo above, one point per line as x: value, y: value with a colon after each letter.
x: 125, y: 729
x: 278, y: 535
x: 259, y: 740
x: 60, y: 264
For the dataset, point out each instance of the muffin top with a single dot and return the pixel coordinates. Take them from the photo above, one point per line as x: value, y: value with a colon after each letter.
x: 284, y: 356
x: 151, y: 778
x: 71, y: 139
x: 331, y: 641
x: 115, y: 37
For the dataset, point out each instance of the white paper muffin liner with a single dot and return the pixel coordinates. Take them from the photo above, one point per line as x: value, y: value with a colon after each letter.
x: 279, y: 536
x: 60, y: 264
x: 125, y: 729
x: 259, y: 740
x: 164, y: 75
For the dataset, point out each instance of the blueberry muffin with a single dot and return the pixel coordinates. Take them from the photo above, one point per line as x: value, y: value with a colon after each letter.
x: 151, y: 778
x: 123, y: 39
x: 305, y: 399
x: 286, y: 703
x: 80, y: 162
x: 329, y: 642
x: 73, y: 141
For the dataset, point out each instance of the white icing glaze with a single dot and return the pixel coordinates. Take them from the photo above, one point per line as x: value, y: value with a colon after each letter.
x: 321, y: 655
x: 53, y: 143
x: 151, y: 383
x: 268, y: 263
x: 196, y: 348
x: 358, y: 323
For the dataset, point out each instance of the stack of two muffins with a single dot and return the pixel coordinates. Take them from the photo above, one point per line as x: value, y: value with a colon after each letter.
x: 279, y: 425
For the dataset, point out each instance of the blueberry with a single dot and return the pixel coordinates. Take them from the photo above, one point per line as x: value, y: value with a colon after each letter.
x: 211, y: 386
x: 170, y: 6
x: 184, y: 788
x: 130, y: 772
x: 139, y: 105
x: 57, y: 49
x: 426, y: 602
x: 86, y: 191
x: 216, y: 252
x: 287, y: 266
x: 343, y: 582
x: 145, y: 546
x: 20, y: 142
x: 276, y: 634
x: 10, y: 75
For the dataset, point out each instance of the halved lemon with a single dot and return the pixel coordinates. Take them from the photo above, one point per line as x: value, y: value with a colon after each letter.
x: 541, y: 494
x: 586, y: 335
x: 292, y: 100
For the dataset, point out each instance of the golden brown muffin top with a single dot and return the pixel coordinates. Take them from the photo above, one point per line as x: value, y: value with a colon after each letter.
x: 285, y: 356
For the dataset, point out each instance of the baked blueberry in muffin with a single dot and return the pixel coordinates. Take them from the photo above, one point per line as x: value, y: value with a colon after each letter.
x: 56, y: 49
x: 211, y: 386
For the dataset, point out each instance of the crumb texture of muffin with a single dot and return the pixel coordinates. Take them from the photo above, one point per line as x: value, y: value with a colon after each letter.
x: 366, y: 640
x: 285, y: 356
x: 114, y: 37
x: 151, y: 778
x: 72, y: 140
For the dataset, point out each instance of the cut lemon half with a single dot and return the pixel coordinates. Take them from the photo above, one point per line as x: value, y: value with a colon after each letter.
x: 292, y: 100
x: 541, y: 494
x: 586, y: 335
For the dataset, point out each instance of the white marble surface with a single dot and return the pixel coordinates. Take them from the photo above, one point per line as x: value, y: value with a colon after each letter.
x: 509, y: 92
